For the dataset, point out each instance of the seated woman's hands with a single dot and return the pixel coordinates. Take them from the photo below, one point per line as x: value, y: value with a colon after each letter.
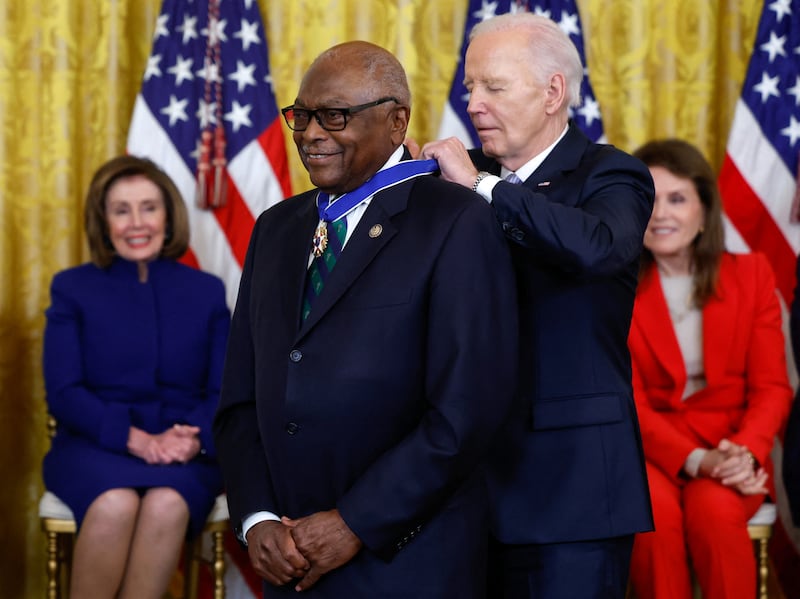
x: 734, y: 466
x: 179, y: 443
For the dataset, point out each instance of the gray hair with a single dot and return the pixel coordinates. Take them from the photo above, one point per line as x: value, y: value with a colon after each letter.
x: 550, y: 48
x: 382, y: 71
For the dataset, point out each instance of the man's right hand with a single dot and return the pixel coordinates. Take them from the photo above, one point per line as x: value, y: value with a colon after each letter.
x: 273, y: 554
x: 454, y: 161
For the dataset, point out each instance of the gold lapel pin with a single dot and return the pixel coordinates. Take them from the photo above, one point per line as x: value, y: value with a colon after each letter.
x: 375, y: 231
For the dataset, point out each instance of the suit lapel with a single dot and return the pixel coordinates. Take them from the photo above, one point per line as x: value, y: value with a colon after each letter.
x: 297, y: 247
x: 564, y: 158
x: 719, y: 325
x: 373, y: 232
x: 656, y: 327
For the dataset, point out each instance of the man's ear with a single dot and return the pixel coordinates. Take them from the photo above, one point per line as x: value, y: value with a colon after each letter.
x: 399, y: 119
x: 555, y: 94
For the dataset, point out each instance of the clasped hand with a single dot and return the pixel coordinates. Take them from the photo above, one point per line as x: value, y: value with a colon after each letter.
x: 178, y: 443
x: 302, y: 549
x: 734, y: 466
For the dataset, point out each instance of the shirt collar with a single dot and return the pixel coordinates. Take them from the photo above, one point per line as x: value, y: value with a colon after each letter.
x: 527, y: 169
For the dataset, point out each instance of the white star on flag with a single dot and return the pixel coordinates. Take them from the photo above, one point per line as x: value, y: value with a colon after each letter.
x: 161, y: 26
x: 239, y: 116
x: 768, y: 87
x: 486, y: 11
x: 176, y: 110
x: 248, y: 34
x: 774, y: 46
x: 188, y: 29
x: 792, y: 131
x: 243, y: 75
x: 152, y: 69
x: 569, y: 23
x: 182, y: 70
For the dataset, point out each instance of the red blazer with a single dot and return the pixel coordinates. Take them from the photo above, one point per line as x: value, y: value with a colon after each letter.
x: 747, y: 397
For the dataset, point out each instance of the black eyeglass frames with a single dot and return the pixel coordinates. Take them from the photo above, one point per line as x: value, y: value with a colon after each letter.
x: 330, y: 119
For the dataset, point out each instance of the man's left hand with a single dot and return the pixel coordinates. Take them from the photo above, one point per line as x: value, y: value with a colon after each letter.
x: 325, y: 541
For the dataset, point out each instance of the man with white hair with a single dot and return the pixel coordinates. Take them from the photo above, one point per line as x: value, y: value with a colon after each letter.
x: 567, y: 478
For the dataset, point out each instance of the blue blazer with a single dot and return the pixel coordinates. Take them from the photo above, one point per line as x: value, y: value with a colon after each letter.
x: 121, y: 353
x: 384, y: 401
x: 569, y: 466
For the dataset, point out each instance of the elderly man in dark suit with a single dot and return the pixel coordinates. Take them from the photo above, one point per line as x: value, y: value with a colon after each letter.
x: 372, y: 357
x: 567, y: 481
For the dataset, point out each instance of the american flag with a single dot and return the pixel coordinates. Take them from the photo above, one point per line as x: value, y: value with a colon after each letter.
x: 758, y: 178
x: 455, y: 121
x: 758, y: 182
x: 209, y: 71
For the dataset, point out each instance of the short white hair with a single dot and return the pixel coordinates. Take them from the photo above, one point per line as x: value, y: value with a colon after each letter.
x: 550, y: 48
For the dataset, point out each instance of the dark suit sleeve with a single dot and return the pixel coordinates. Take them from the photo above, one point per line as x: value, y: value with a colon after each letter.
x: 590, y: 222
x: 468, y: 385
x: 791, y: 461
x: 794, y: 320
x: 791, y: 447
x: 236, y: 432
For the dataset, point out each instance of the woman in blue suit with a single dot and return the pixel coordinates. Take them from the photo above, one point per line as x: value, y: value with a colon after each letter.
x: 133, y: 352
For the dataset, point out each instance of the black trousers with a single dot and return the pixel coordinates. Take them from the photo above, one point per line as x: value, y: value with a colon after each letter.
x: 578, y: 570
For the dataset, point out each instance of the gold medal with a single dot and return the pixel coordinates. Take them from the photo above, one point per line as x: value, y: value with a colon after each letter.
x: 320, y: 241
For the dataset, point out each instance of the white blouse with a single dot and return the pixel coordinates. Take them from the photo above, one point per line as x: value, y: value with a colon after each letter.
x: 687, y: 320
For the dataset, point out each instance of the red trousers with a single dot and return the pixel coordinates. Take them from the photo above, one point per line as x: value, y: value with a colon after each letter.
x: 701, y: 522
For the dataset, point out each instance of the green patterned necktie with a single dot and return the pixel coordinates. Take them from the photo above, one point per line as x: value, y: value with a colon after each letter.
x: 323, y: 264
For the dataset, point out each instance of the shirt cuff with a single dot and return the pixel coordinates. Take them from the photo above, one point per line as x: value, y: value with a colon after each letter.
x: 486, y: 186
x: 254, y: 519
x: 692, y: 464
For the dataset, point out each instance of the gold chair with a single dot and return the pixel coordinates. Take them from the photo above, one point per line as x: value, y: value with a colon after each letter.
x: 760, y: 529
x: 58, y: 524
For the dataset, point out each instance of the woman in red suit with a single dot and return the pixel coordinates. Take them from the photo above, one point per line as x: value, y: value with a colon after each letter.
x: 710, y: 384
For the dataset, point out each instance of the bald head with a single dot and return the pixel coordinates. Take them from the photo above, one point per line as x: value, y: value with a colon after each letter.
x: 380, y: 72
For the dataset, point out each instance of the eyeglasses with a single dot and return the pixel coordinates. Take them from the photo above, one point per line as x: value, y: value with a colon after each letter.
x: 330, y: 119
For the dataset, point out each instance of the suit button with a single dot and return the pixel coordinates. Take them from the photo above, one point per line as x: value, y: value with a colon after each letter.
x: 295, y: 355
x: 292, y: 428
x: 517, y: 235
x: 506, y: 226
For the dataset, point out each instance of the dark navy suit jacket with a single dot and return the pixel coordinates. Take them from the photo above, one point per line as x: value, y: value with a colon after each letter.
x: 383, y: 403
x: 791, y: 445
x: 569, y: 466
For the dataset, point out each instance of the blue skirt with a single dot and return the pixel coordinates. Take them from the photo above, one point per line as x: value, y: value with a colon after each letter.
x: 78, y: 471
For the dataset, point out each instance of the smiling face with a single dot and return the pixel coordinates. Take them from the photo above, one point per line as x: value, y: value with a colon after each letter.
x: 678, y: 216
x: 340, y: 161
x: 137, y: 218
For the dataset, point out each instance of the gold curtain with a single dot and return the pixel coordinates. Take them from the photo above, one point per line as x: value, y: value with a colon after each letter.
x: 69, y: 73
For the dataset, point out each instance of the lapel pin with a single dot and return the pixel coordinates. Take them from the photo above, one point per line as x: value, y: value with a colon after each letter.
x: 375, y: 231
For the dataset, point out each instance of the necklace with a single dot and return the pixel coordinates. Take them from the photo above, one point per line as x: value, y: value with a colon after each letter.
x: 679, y: 294
x: 679, y: 313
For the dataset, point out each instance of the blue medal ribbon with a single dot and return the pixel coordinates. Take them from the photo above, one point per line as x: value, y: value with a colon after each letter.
x: 389, y: 177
